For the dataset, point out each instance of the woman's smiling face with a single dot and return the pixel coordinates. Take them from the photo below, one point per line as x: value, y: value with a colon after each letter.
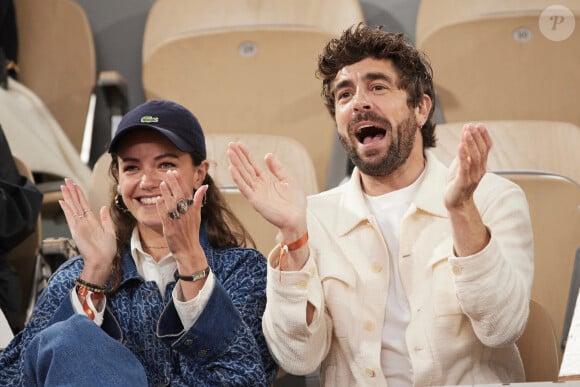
x: 144, y: 158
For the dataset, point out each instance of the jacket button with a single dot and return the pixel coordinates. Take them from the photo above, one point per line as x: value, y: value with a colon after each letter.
x: 188, y: 342
x: 456, y: 269
x: 376, y: 267
x: 202, y: 352
x: 369, y: 326
x: 370, y: 372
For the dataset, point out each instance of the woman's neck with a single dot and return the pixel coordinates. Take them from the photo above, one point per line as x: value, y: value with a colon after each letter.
x: 153, y: 242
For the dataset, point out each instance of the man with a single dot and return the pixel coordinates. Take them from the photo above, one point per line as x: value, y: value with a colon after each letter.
x: 20, y: 203
x: 413, y: 274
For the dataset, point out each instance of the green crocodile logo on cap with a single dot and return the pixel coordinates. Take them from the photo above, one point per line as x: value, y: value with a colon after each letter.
x: 149, y: 119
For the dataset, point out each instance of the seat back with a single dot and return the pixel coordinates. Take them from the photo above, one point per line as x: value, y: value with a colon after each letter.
x: 24, y: 256
x: 538, y: 346
x: 547, y: 146
x: 289, y: 151
x: 498, y: 59
x: 247, y: 67
x: 572, y: 298
x: 57, y: 59
x: 554, y: 203
x: 100, y: 184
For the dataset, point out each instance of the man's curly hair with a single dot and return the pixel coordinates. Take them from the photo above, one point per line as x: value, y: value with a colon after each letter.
x: 361, y: 41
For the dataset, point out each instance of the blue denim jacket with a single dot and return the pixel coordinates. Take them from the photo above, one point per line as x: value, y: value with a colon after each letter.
x: 224, y: 347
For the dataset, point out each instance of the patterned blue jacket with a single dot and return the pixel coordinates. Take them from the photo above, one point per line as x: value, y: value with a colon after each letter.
x: 225, y: 347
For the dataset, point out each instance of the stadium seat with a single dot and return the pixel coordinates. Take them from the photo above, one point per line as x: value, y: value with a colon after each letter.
x: 503, y: 60
x: 546, y: 146
x: 57, y: 62
x: 538, y: 346
x: 554, y: 203
x: 572, y: 299
x: 25, y: 258
x: 289, y: 151
x: 57, y: 59
x: 247, y: 67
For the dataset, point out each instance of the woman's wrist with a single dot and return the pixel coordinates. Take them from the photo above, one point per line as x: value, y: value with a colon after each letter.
x: 95, y: 275
x: 191, y: 263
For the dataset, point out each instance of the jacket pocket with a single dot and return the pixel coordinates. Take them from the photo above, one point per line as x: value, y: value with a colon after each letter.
x: 339, y: 286
x: 444, y: 294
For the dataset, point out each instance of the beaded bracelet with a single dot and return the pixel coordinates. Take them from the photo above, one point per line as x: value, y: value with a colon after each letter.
x: 81, y: 283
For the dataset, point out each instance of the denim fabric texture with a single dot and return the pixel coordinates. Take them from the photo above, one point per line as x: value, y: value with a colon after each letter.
x: 56, y: 358
x: 225, y: 347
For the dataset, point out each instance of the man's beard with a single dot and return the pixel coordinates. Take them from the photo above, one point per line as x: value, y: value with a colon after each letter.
x: 398, y: 151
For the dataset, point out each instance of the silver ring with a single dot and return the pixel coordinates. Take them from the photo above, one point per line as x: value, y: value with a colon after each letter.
x: 189, y: 202
x: 174, y: 215
x: 182, y: 206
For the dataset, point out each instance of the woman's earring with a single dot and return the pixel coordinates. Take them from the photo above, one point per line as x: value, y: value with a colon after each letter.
x: 119, y: 201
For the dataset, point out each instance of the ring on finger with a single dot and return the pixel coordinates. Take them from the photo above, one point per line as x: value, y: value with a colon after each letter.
x: 81, y: 214
x: 182, y: 205
x: 173, y: 215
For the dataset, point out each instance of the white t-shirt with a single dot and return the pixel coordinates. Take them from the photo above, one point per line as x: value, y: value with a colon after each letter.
x: 389, y: 210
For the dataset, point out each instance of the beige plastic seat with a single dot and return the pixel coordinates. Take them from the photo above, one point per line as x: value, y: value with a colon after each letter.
x: 554, y: 203
x: 289, y: 151
x: 57, y: 67
x: 25, y: 258
x: 56, y: 57
x: 101, y: 185
x: 247, y: 66
x: 547, y: 146
x: 538, y: 346
x: 497, y: 59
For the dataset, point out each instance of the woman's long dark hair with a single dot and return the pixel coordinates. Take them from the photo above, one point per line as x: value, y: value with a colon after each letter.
x: 223, y: 228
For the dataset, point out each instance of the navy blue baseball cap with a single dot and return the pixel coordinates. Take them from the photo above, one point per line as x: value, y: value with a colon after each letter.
x: 168, y: 118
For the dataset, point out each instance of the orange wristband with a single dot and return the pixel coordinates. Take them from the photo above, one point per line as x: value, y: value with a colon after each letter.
x: 285, y: 248
x: 87, y: 303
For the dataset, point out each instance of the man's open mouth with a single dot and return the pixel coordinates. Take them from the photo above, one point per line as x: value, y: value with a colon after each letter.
x: 366, y: 134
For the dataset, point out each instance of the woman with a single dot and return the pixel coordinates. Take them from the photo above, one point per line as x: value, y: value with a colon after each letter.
x: 177, y: 300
